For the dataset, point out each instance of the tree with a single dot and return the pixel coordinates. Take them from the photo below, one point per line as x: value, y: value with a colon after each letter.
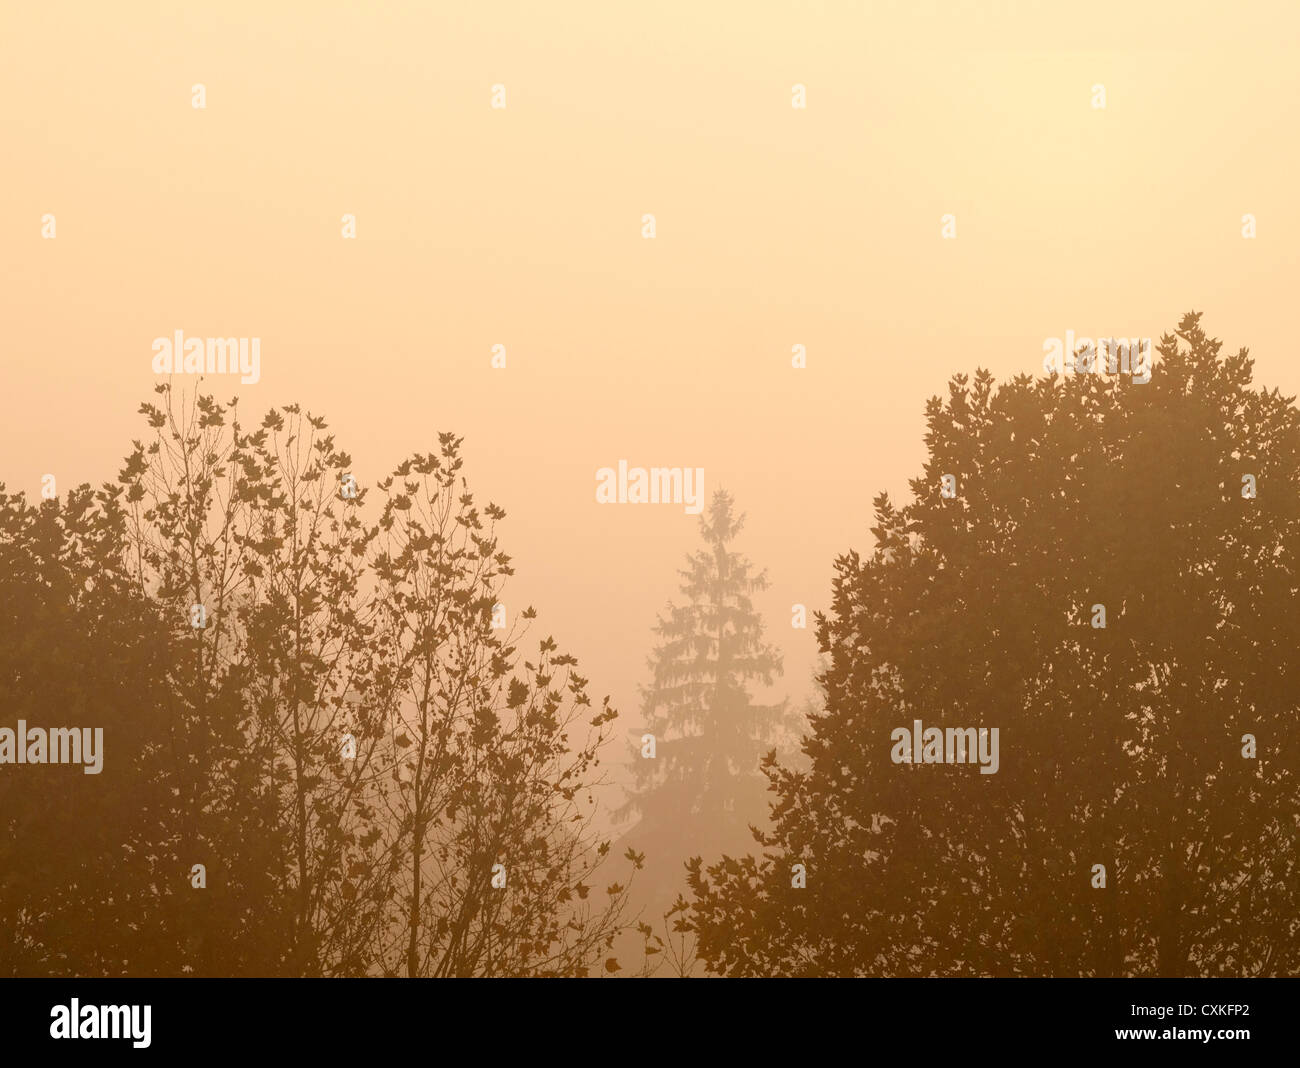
x: 73, y: 644
x: 1123, y: 746
x: 253, y: 555
x: 319, y: 710
x: 490, y: 800
x: 709, y: 733
x: 703, y: 788
x: 95, y: 869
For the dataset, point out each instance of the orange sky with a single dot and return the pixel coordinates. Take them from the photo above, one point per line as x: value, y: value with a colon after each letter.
x: 522, y: 227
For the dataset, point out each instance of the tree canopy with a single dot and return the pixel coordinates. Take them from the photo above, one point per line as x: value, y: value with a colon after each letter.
x: 323, y: 708
x: 1144, y: 816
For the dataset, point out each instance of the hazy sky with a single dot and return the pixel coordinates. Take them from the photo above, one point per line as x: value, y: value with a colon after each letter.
x: 522, y: 226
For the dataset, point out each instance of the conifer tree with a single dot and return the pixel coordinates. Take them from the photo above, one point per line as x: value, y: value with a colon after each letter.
x: 710, y: 734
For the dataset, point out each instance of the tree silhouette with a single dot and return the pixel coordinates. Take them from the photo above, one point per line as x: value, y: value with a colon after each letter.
x: 252, y: 554
x: 487, y: 785
x: 318, y: 710
x: 94, y: 869
x: 709, y: 733
x: 1123, y: 746
x: 703, y: 790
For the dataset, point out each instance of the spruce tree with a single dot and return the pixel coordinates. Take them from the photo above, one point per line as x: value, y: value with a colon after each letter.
x: 705, y: 779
